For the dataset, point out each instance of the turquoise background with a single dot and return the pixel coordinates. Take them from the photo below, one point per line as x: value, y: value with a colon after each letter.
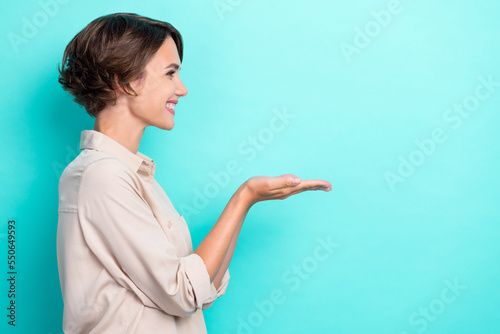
x: 358, y: 115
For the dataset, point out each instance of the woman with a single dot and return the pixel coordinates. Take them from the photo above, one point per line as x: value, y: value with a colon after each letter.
x: 126, y: 263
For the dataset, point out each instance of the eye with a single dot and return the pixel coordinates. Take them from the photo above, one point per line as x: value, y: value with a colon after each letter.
x: 171, y: 73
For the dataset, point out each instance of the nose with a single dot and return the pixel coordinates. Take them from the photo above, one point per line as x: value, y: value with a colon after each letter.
x: 180, y: 89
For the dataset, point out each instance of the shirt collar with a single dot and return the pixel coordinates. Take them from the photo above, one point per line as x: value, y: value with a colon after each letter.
x: 95, y: 140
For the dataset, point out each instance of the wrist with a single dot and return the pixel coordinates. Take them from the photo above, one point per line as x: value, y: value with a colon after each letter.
x: 245, y: 196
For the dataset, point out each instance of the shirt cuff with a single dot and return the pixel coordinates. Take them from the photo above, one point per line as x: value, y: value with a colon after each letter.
x: 216, y: 293
x: 223, y: 285
x: 198, y: 276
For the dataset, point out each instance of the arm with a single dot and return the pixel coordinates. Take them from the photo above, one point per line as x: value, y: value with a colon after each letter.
x: 219, y: 281
x: 217, y: 248
x: 230, y: 251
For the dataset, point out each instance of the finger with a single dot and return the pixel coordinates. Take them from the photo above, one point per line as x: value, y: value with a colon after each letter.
x: 312, y: 188
x: 311, y: 184
x: 290, y: 181
x: 305, y: 185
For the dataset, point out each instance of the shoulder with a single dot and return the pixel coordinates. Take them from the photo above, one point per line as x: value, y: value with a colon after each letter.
x: 108, y: 183
x: 95, y: 175
x: 108, y: 186
x: 106, y: 171
x: 89, y: 162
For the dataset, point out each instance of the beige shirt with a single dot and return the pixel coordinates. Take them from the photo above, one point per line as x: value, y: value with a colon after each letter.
x: 125, y: 256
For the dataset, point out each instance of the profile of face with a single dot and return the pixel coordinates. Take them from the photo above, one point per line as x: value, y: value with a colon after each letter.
x: 158, y: 90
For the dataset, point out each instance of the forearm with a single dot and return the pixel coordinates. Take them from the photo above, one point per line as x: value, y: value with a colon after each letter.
x: 216, y: 244
x: 229, y: 253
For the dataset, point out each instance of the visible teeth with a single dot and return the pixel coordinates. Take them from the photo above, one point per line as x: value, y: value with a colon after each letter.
x: 170, y: 105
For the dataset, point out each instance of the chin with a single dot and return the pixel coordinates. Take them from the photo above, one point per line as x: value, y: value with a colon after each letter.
x: 166, y: 125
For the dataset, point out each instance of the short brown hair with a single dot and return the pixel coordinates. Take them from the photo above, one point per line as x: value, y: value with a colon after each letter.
x: 119, y: 44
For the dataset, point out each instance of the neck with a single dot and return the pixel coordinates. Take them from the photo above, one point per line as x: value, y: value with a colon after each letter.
x: 120, y: 128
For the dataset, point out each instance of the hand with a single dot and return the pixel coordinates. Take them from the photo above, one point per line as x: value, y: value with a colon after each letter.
x: 264, y: 188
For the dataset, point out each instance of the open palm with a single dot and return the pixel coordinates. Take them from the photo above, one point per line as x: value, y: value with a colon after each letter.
x: 263, y: 188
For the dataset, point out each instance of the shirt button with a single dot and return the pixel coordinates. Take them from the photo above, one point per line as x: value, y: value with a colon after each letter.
x: 169, y: 225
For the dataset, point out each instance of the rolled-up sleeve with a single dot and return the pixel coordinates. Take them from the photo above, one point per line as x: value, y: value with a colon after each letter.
x: 124, y: 234
x: 216, y: 293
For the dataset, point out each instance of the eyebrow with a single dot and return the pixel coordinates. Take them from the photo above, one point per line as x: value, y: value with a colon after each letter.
x: 174, y: 65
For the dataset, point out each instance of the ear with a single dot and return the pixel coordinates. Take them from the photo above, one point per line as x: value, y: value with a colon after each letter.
x: 118, y: 89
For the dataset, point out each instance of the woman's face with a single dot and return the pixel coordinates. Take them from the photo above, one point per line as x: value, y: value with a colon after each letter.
x: 158, y: 88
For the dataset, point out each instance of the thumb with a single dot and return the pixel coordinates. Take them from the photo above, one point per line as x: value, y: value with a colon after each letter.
x: 284, y: 181
x: 291, y: 180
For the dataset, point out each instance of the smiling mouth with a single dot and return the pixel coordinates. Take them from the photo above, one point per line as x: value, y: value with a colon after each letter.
x: 170, y: 107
